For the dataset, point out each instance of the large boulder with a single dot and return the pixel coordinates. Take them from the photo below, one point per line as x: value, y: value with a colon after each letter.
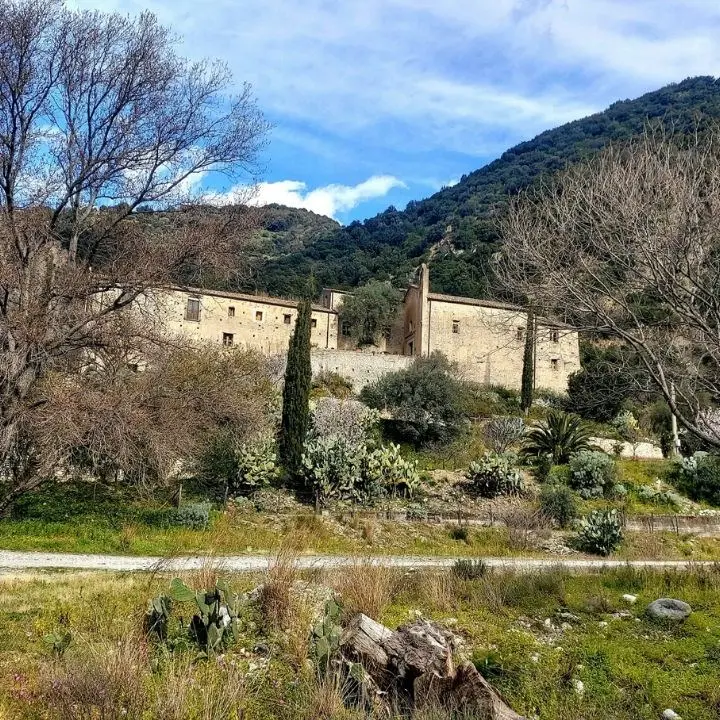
x: 669, y: 610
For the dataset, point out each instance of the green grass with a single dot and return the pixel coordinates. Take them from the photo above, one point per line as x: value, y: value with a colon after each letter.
x: 89, y: 518
x: 631, y: 667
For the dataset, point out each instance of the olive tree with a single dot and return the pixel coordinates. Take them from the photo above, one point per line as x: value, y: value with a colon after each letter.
x: 626, y: 244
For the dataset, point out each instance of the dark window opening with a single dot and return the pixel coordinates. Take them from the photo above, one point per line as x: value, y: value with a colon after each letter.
x: 231, y: 311
x: 313, y: 323
x: 287, y: 319
x: 554, y: 336
x: 192, y: 311
x: 520, y: 334
x: 227, y: 339
x: 345, y: 328
x: 555, y: 364
x: 456, y: 326
x: 258, y: 315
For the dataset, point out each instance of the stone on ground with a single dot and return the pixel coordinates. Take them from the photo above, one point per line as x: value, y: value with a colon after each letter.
x: 669, y: 609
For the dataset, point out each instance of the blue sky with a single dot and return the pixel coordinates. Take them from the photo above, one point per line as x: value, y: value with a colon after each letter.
x: 377, y: 102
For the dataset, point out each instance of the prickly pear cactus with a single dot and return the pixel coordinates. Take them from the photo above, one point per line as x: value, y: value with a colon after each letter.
x: 325, y: 640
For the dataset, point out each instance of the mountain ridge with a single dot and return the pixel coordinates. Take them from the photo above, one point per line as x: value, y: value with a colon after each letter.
x: 456, y: 226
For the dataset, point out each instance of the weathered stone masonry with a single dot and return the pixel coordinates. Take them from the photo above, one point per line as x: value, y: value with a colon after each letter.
x: 486, y: 339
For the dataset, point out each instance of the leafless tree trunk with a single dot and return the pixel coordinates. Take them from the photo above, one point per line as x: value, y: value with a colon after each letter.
x: 98, y: 116
x: 627, y: 245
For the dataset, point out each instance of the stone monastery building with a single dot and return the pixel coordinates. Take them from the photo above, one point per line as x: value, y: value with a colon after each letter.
x: 486, y: 339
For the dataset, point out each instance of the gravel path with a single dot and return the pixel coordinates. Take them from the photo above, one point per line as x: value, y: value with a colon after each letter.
x: 247, y: 563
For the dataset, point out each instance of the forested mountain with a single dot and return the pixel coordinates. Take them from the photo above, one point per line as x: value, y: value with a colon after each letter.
x: 455, y: 226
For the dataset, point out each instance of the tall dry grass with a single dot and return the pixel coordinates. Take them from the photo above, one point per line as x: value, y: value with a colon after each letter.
x: 366, y: 586
x: 277, y: 591
x: 107, y: 681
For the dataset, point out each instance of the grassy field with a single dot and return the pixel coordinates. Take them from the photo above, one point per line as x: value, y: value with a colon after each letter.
x: 90, y: 518
x: 603, y: 659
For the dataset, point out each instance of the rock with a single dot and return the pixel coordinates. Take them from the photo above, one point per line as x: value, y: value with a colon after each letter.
x: 669, y: 610
x: 670, y: 715
x: 632, y: 599
x: 568, y: 617
x: 580, y: 688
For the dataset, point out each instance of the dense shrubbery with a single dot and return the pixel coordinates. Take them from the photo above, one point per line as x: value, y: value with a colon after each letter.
x: 194, y: 516
x: 698, y: 477
x: 370, y: 311
x: 425, y: 400
x: 558, y: 503
x: 592, y: 473
x: 493, y: 474
x: 600, y: 532
x: 349, y: 419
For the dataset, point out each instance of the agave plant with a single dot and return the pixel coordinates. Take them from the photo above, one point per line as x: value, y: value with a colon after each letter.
x: 558, y: 437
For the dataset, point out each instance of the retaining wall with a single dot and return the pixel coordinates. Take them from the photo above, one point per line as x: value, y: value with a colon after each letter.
x: 360, y: 368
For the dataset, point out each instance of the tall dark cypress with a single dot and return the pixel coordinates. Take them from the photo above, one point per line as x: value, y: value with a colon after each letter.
x: 296, y: 394
x: 527, y: 388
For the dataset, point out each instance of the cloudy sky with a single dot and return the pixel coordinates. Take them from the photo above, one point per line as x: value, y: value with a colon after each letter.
x: 377, y: 102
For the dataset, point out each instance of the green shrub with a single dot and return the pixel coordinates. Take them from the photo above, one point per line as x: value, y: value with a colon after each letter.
x: 425, y: 401
x: 194, y: 516
x: 558, y: 503
x: 469, y: 569
x: 558, y: 437
x: 698, y: 477
x: 494, y: 475
x: 600, y: 532
x: 592, y: 473
x: 459, y: 533
x: 216, y: 466
x: 558, y: 475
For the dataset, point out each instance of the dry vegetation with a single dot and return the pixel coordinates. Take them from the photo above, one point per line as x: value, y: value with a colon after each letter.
x: 512, y: 626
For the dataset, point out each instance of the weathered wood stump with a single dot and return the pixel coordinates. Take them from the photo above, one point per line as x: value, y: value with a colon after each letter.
x: 414, y: 666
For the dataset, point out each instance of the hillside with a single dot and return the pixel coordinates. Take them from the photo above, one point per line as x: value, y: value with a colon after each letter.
x: 457, y: 223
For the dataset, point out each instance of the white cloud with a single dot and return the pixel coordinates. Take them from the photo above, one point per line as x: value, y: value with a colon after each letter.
x: 329, y: 200
x: 460, y: 75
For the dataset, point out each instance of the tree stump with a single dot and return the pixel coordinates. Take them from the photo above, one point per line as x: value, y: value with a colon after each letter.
x: 414, y: 666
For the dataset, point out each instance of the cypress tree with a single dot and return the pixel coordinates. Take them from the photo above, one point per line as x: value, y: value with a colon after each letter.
x: 528, y: 372
x: 296, y: 393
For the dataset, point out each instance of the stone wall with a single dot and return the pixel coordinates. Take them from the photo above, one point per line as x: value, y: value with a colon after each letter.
x: 252, y: 322
x: 360, y: 368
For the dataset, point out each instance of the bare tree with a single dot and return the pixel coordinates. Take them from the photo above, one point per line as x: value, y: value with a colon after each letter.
x: 98, y: 116
x: 627, y: 244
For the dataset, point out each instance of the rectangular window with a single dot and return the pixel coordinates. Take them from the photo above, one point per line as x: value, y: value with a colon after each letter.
x: 287, y: 318
x: 231, y: 311
x: 456, y: 326
x: 554, y: 336
x: 258, y: 315
x: 345, y: 328
x: 192, y: 311
x: 520, y: 334
x: 227, y: 339
x: 555, y: 364
x: 313, y: 323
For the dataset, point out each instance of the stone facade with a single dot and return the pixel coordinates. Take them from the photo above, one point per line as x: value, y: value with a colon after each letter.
x: 248, y: 321
x: 485, y: 339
